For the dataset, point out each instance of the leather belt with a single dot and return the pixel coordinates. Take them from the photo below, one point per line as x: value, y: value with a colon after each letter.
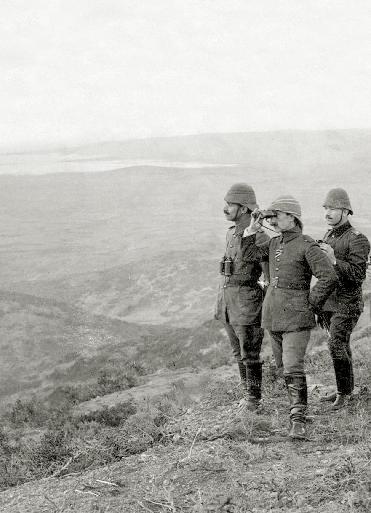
x: 231, y: 281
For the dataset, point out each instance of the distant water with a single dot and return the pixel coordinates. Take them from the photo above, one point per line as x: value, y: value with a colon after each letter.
x: 40, y: 164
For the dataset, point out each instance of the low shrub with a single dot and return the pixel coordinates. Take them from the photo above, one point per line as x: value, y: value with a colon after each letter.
x: 114, y: 416
x: 66, y: 443
x: 32, y: 412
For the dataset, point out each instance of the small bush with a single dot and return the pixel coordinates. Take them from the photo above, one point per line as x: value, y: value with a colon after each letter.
x: 32, y: 412
x: 111, y: 380
x: 113, y: 416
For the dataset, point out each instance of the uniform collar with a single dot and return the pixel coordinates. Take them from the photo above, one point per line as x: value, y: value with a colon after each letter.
x: 290, y: 234
x: 339, y: 230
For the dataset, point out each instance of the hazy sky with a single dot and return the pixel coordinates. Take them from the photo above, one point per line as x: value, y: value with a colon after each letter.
x: 86, y: 70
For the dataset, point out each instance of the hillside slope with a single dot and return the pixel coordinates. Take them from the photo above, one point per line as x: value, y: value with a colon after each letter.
x: 214, y: 456
x: 176, y: 288
x: 45, y: 343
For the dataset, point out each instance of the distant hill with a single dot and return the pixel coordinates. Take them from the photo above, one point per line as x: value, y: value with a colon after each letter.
x: 176, y: 288
x: 283, y: 149
x: 44, y: 343
x: 55, y: 225
x: 39, y: 336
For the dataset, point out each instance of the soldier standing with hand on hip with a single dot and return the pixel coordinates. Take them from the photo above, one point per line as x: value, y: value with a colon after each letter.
x: 347, y: 249
x: 240, y: 297
x: 289, y: 304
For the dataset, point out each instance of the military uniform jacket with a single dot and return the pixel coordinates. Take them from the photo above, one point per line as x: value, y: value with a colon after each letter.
x: 240, y: 298
x: 290, y: 303
x: 351, y: 250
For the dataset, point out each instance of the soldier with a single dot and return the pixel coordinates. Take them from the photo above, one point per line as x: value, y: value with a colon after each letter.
x: 240, y: 297
x: 289, y: 304
x: 347, y: 249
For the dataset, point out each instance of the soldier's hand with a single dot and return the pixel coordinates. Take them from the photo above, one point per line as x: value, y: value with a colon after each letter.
x: 255, y: 224
x: 329, y: 252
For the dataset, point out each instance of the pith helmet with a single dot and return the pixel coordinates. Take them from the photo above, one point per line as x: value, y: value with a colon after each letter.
x: 243, y: 194
x: 338, y: 198
x: 287, y: 204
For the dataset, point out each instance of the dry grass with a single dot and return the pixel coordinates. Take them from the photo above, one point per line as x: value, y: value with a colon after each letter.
x: 174, y: 455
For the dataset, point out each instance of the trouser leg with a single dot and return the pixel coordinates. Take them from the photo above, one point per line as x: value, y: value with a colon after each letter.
x: 254, y: 380
x: 236, y: 351
x: 250, y: 341
x: 276, y: 345
x: 341, y: 327
x: 251, y: 338
x: 292, y: 347
x: 243, y: 374
x: 289, y: 350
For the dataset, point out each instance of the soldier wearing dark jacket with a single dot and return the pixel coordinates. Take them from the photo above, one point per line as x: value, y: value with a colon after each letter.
x: 240, y: 297
x: 289, y: 304
x: 347, y: 249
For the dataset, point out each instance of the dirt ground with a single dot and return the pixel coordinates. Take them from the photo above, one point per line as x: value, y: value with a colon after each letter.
x: 217, y: 457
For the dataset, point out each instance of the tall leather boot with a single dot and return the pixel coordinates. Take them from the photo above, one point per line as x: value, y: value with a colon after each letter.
x: 351, y: 377
x: 254, y: 384
x: 298, y: 397
x: 242, y: 371
x: 344, y: 382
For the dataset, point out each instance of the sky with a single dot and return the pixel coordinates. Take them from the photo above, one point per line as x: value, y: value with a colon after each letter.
x: 78, y: 71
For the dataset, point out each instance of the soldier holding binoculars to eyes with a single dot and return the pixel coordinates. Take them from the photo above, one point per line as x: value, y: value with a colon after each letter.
x: 290, y: 304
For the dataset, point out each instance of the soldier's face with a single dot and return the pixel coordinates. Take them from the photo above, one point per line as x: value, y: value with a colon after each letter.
x: 232, y: 211
x: 334, y: 216
x: 282, y: 222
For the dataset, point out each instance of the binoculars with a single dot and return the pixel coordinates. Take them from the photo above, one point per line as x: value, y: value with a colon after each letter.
x: 226, y: 266
x: 263, y: 214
